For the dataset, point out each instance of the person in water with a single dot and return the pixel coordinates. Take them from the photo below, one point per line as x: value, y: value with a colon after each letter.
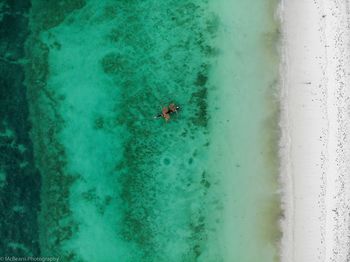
x: 166, y: 111
x: 173, y: 108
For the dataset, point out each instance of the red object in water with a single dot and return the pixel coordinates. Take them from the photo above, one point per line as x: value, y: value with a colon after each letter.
x: 165, y: 113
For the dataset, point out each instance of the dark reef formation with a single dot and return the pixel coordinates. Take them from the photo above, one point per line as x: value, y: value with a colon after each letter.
x: 19, y: 179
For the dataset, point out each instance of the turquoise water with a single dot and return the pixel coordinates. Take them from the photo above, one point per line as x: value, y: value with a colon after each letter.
x: 120, y: 185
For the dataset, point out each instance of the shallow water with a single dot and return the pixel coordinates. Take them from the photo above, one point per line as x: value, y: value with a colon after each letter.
x: 134, y: 187
x: 117, y: 183
x: 244, y: 129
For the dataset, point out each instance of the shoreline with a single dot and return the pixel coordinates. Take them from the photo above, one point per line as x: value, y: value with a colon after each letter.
x: 314, y: 125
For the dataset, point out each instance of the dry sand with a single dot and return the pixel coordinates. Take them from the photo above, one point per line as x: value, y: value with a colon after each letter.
x: 315, y: 122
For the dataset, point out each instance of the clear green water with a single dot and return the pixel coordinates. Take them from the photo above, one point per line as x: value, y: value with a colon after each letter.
x: 244, y: 129
x: 117, y: 184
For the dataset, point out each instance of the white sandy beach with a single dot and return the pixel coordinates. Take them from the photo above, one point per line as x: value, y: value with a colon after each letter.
x: 315, y: 127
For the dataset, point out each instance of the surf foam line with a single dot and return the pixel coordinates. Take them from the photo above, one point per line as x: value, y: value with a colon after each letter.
x: 116, y: 182
x: 315, y: 123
